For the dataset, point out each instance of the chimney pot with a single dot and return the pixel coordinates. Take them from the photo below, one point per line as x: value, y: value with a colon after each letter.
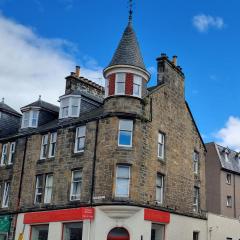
x: 77, y: 71
x: 174, y: 60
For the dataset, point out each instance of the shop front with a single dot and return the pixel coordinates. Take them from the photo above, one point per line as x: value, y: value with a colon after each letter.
x: 5, y: 224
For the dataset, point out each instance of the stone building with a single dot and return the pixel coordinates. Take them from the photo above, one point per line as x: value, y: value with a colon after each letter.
x: 121, y: 162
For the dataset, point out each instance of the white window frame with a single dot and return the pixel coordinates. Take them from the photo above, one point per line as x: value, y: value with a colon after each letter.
x: 196, y: 159
x: 70, y: 105
x: 75, y: 197
x: 44, y: 144
x: 123, y: 178
x: 5, y: 199
x: 48, y: 187
x: 137, y: 81
x: 229, y: 201
x: 4, y: 155
x: 30, y: 118
x: 11, y: 152
x: 53, y: 143
x: 196, y: 199
x: 228, y: 178
x: 79, y: 137
x: 161, y: 143
x: 37, y: 187
x: 125, y: 130
x: 161, y: 188
x: 118, y: 81
x: 106, y: 87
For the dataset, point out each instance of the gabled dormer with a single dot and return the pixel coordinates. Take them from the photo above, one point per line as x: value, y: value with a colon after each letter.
x: 81, y: 95
x: 9, y: 120
x: 38, y: 113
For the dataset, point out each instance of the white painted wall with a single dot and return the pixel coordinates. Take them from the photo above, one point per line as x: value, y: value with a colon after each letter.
x: 220, y: 227
x: 131, y: 218
x: 182, y: 228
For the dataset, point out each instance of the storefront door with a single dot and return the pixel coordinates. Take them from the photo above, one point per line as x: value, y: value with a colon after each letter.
x: 118, y: 234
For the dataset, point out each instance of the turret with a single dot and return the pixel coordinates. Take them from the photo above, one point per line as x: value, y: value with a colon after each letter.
x: 126, y: 76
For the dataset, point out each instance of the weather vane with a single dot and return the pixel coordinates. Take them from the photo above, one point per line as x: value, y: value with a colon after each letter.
x: 130, y: 10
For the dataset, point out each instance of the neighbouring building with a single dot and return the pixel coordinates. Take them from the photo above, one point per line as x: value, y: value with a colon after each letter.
x: 223, y: 192
x: 121, y: 162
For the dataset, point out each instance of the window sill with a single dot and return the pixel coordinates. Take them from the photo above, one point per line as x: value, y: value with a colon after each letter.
x: 121, y: 199
x: 42, y: 161
x: 77, y: 154
x: 7, y: 166
x: 162, y: 160
x: 125, y: 148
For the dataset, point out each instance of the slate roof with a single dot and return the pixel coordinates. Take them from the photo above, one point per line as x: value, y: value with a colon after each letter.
x: 6, y: 108
x: 85, y: 94
x: 44, y: 105
x: 232, y: 163
x: 128, y: 51
x: 59, y: 123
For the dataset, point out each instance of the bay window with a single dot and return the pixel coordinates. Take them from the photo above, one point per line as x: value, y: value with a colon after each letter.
x: 125, y: 133
x: 122, y: 181
x: 69, y: 106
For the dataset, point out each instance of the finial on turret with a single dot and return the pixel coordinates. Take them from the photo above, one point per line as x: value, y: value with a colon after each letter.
x: 3, y: 100
x: 40, y: 98
x: 130, y: 11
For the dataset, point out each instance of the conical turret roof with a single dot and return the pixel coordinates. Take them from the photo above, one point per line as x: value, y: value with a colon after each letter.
x: 128, y: 51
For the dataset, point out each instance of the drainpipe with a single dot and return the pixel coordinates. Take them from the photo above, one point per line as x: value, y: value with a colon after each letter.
x: 20, y: 184
x: 94, y: 162
x: 234, y: 195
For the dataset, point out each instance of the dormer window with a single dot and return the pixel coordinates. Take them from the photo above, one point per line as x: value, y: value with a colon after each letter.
x: 30, y: 119
x: 69, y: 106
x: 226, y: 153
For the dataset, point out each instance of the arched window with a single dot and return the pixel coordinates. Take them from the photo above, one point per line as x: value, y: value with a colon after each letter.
x: 118, y: 234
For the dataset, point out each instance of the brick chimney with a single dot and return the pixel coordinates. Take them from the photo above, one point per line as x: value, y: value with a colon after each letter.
x: 77, y: 73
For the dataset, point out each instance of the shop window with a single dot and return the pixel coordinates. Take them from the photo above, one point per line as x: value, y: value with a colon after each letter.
x: 118, y: 234
x: 72, y: 231
x: 195, y: 235
x: 39, y: 232
x: 157, y: 232
x: 3, y: 236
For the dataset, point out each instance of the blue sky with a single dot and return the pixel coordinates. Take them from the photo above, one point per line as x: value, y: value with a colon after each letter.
x: 45, y: 39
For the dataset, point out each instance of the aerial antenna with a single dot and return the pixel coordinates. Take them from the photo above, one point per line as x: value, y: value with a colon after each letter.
x: 130, y: 11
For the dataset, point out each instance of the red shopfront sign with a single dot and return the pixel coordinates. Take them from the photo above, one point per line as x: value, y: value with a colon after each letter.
x: 75, y: 214
x: 156, y: 216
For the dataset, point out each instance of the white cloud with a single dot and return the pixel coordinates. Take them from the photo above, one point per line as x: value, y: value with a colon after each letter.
x: 31, y: 65
x: 203, y: 22
x: 230, y: 134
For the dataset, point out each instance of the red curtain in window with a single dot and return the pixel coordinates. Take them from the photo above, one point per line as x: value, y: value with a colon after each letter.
x: 129, y: 84
x: 111, y: 84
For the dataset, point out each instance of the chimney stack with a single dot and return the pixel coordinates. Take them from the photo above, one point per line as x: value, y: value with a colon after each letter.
x: 77, y: 71
x: 174, y: 60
